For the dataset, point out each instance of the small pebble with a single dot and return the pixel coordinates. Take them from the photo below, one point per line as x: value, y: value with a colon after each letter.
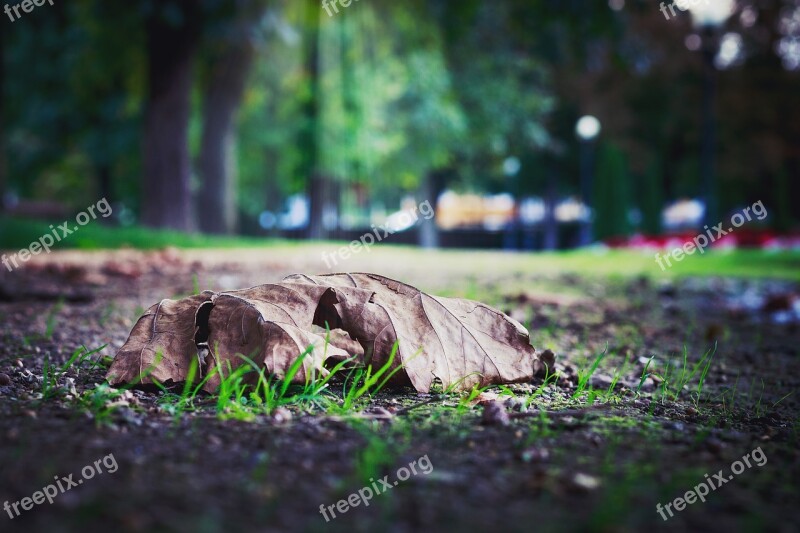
x: 585, y: 482
x: 494, y: 414
x: 516, y: 404
x: 281, y: 415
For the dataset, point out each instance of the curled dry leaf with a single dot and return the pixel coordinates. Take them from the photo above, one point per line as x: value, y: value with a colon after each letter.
x: 330, y: 318
x: 161, y: 343
x: 271, y: 325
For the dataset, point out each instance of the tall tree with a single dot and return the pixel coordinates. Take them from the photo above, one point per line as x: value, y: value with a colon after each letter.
x: 316, y: 184
x: 232, y: 51
x: 106, y: 94
x: 173, y: 30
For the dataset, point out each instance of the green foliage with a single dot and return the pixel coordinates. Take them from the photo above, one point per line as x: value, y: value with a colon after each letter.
x: 385, y: 93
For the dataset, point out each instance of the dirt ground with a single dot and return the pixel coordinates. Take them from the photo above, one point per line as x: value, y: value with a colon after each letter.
x: 592, y: 452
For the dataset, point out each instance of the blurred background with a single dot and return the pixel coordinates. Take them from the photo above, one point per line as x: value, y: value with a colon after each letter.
x: 528, y: 124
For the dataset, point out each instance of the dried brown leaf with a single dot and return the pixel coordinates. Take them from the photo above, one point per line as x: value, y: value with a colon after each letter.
x: 161, y: 345
x: 461, y: 343
x: 270, y: 325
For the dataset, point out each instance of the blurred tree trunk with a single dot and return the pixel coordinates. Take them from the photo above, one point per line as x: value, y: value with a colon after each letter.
x: 316, y: 189
x: 432, y: 186
x: 221, y: 100
x: 354, y: 117
x: 105, y: 183
x: 172, y: 34
x: 274, y: 199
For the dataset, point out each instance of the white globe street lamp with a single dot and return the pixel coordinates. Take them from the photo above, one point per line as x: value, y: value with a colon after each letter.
x: 711, y: 13
x: 587, y: 128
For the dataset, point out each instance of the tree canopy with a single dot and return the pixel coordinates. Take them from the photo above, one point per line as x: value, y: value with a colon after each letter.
x: 204, y: 114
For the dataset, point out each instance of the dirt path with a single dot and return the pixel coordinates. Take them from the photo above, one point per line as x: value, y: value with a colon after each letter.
x: 598, y: 454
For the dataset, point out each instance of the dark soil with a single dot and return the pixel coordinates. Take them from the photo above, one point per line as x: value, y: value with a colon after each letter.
x: 600, y: 461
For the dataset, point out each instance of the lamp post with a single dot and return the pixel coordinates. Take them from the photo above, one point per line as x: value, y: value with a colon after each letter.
x: 587, y: 129
x: 708, y: 17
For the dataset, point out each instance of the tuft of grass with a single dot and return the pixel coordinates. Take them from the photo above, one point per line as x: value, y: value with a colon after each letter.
x: 178, y: 404
x: 231, y: 397
x: 247, y: 391
x: 645, y: 374
x: 549, y: 379
x: 50, y: 319
x: 729, y: 397
x: 102, y: 402
x: 467, y: 399
x: 611, y: 391
x: 363, y: 383
x: 51, y: 373
x: 584, y: 375
x: 673, y: 385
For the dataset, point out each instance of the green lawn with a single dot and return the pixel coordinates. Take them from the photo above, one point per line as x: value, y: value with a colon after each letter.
x: 17, y: 234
